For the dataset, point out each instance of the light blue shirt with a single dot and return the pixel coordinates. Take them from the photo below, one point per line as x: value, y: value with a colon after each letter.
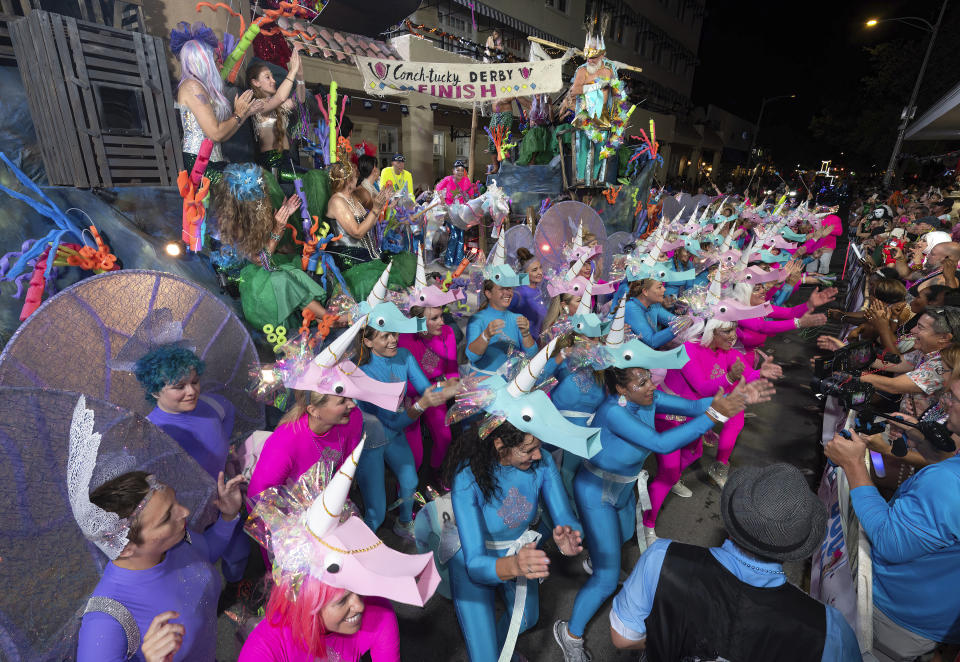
x: 915, y: 549
x: 650, y: 323
x: 632, y: 605
x: 499, y: 346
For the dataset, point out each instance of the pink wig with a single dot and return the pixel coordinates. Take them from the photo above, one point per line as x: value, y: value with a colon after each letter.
x: 198, y: 63
x: 300, y: 611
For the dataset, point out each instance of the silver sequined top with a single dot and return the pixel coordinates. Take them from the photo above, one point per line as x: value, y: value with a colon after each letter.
x: 193, y: 135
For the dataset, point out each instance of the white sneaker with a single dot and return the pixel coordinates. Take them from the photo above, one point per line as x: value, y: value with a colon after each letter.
x: 649, y: 535
x: 572, y: 648
x: 681, y: 490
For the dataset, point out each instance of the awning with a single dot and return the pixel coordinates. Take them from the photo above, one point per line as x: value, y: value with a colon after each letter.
x: 941, y: 121
x: 510, y: 21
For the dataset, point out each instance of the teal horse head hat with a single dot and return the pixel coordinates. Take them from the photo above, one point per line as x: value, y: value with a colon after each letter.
x: 384, y: 315
x: 585, y: 322
x: 501, y: 273
x: 531, y: 411
x: 623, y: 353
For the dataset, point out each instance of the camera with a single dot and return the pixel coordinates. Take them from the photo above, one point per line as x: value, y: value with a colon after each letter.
x: 838, y: 375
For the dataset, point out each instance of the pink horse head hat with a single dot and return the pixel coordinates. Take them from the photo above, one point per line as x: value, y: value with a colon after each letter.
x: 309, y: 529
x: 330, y: 373
x: 430, y: 296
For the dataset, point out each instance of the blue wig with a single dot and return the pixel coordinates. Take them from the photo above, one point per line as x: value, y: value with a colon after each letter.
x: 165, y: 365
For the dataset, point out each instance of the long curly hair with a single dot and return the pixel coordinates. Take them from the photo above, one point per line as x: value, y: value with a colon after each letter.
x: 481, y: 456
x: 341, y: 173
x: 280, y: 126
x: 245, y: 225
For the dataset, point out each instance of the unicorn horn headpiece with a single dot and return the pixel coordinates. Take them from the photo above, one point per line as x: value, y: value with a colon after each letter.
x: 633, y: 353
x: 430, y: 295
x: 584, y: 321
x: 530, y: 410
x: 499, y: 271
x: 379, y: 292
x: 304, y: 528
x: 332, y: 374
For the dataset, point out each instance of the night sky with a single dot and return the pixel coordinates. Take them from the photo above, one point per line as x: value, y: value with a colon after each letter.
x: 751, y: 49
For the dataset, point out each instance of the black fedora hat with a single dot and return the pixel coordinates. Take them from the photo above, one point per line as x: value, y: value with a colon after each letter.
x: 770, y: 511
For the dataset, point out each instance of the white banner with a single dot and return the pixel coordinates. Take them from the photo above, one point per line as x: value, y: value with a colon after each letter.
x: 460, y: 83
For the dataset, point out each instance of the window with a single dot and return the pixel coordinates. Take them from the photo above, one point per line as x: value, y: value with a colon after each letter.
x: 456, y: 22
x: 388, y: 143
x: 462, y: 148
x: 438, y: 144
x: 559, y: 5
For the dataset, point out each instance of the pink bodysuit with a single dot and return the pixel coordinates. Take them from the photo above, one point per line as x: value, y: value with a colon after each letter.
x: 294, y: 447
x: 437, y: 356
x: 702, y: 376
x: 379, y: 634
x: 457, y: 191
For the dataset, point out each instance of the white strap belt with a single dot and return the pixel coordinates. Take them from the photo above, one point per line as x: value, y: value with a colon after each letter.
x: 520, y: 595
x: 570, y: 413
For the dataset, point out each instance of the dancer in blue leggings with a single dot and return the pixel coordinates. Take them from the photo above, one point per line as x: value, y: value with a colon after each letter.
x: 380, y: 358
x: 499, y: 476
x: 604, y: 485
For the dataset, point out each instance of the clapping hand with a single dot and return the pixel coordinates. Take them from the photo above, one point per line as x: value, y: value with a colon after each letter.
x: 229, y: 495
x: 822, y: 297
x: 569, y: 541
x: 759, y: 390
x: 289, y: 206
x: 768, y: 368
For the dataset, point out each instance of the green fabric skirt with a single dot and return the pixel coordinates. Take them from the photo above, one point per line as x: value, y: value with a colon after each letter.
x: 277, y: 297
x: 362, y: 277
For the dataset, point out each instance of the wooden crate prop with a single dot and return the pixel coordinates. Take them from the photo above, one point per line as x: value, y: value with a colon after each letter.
x: 101, y: 102
x: 10, y: 10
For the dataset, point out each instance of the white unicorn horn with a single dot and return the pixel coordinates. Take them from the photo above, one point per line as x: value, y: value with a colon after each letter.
x: 421, y: 279
x: 578, y: 239
x: 379, y: 292
x: 616, y: 334
x: 525, y: 381
x: 500, y: 252
x: 332, y: 353
x: 715, y: 291
x: 575, y: 268
x: 324, y: 513
x: 583, y: 308
x: 676, y: 218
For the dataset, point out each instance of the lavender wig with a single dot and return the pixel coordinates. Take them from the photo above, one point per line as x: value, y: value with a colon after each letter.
x: 198, y: 63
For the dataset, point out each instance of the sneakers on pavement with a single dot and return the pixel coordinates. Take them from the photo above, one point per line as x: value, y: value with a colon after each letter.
x: 681, y: 490
x: 718, y: 473
x: 573, y: 648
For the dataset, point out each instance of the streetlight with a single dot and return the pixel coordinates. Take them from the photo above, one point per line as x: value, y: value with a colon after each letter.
x: 763, y: 105
x: 920, y: 24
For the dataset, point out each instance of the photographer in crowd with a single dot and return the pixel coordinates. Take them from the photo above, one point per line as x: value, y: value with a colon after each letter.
x: 915, y: 540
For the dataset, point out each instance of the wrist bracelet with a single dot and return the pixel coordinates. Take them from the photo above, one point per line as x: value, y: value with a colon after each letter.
x: 275, y: 236
x: 796, y: 322
x: 483, y: 334
x: 238, y: 118
x: 717, y: 415
x: 416, y: 406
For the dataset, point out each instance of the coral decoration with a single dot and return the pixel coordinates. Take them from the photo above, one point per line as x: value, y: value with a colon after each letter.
x: 193, y: 210
x: 500, y: 137
x: 97, y: 261
x: 37, y: 284
x: 611, y: 193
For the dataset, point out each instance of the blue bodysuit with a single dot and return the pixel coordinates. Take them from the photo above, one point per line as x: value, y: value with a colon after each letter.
x: 499, y: 346
x: 392, y: 445
x: 603, y: 487
x: 650, y: 323
x: 473, y: 569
